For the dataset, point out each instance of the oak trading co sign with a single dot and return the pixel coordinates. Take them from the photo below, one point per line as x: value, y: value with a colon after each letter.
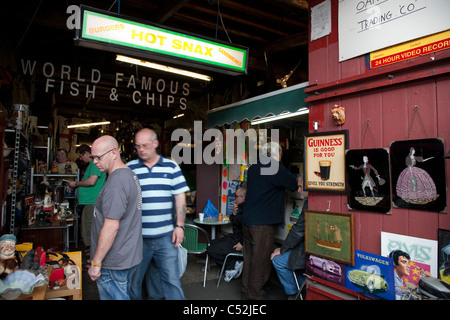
x: 108, y: 31
x: 370, y: 25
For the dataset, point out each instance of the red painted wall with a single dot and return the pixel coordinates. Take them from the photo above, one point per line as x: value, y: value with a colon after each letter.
x: 386, y: 98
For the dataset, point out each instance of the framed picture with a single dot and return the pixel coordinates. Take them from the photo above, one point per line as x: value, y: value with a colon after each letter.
x: 328, y: 270
x: 324, y: 161
x: 330, y: 235
x: 371, y: 274
x: 419, y: 256
x: 444, y: 255
x: 418, y: 175
x: 368, y: 180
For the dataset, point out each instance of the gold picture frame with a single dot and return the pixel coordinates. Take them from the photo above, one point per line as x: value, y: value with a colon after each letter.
x: 330, y: 235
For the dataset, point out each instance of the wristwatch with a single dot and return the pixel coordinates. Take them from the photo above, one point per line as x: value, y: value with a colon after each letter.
x: 182, y: 227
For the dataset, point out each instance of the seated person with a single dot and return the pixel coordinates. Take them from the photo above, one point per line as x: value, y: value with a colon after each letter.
x: 232, y: 242
x: 291, y: 256
x: 64, y: 165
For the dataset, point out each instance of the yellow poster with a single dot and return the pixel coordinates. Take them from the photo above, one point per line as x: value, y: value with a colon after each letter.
x: 325, y: 161
x: 411, y: 49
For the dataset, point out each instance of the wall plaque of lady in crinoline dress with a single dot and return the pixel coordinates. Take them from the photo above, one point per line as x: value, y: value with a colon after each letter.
x: 368, y: 180
x: 418, y: 171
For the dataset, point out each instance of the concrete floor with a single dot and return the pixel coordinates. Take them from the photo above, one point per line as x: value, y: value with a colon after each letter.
x: 192, y: 282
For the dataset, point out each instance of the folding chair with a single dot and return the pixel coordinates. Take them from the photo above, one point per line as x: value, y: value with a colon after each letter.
x: 234, y: 254
x: 300, y: 288
x: 193, y: 245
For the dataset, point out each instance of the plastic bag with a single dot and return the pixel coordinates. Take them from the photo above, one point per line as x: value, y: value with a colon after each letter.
x: 182, y: 259
x: 210, y: 211
x: 295, y: 212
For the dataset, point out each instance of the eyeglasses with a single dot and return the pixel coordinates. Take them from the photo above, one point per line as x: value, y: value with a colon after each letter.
x: 143, y: 146
x: 98, y: 158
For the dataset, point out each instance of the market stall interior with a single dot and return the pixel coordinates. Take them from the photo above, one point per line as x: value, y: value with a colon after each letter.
x: 56, y: 93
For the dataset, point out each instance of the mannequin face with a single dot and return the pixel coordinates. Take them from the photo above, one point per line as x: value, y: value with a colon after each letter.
x: 7, y: 249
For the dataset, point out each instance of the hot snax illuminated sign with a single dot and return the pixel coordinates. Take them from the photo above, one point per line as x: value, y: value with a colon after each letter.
x: 112, y: 32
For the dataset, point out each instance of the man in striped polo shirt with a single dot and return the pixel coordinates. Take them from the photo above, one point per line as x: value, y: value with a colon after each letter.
x: 163, y: 186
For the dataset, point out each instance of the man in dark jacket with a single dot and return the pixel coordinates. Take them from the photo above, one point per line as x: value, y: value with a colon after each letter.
x: 291, y: 256
x: 263, y: 211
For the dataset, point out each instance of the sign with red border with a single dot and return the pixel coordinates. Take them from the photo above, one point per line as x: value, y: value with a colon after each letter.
x: 426, y: 45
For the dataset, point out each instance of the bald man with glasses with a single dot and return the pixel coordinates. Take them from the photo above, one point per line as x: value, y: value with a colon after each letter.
x: 116, y: 232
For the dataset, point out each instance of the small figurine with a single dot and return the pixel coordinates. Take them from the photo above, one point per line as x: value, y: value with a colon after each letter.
x: 68, y: 167
x: 47, y: 200
x: 8, y: 262
x: 55, y: 167
x: 42, y: 167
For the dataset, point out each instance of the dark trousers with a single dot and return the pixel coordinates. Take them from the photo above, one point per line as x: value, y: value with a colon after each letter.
x: 219, y: 249
x: 258, y: 246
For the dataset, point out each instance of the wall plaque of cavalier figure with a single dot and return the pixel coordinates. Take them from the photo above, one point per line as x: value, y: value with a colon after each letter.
x: 418, y: 175
x: 368, y: 180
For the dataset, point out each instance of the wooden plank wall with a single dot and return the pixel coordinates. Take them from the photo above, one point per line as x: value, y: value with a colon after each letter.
x: 389, y: 110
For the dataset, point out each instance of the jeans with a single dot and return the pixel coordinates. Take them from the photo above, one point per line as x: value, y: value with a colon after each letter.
x: 165, y: 256
x: 285, y: 275
x: 115, y: 284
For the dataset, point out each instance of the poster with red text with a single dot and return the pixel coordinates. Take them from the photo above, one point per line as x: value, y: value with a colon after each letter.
x: 325, y: 161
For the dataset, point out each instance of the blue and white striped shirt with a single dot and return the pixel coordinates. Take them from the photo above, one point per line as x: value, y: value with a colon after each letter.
x: 158, y: 184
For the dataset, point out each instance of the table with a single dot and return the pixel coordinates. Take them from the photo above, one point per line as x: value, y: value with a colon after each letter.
x: 37, y: 294
x: 213, y: 225
x: 44, y: 293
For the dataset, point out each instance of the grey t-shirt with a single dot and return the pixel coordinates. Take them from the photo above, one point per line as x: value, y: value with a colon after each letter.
x: 120, y: 199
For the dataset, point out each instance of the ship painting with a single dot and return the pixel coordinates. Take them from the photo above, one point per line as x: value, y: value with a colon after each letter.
x: 333, y: 238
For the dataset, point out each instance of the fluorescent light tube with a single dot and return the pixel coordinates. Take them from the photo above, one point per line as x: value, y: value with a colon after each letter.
x: 163, y: 67
x: 280, y: 116
x: 89, y: 124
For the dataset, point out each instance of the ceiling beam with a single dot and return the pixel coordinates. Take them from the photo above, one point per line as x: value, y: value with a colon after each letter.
x: 236, y: 19
x: 296, y: 40
x: 262, y: 14
x: 302, y: 4
x: 168, y: 9
x: 212, y: 25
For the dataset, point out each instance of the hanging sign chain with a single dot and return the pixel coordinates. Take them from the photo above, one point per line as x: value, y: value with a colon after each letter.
x: 367, y: 126
x: 416, y: 110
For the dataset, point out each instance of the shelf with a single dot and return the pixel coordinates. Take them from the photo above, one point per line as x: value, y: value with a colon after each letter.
x: 74, y: 198
x: 63, y: 292
x: 56, y: 175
